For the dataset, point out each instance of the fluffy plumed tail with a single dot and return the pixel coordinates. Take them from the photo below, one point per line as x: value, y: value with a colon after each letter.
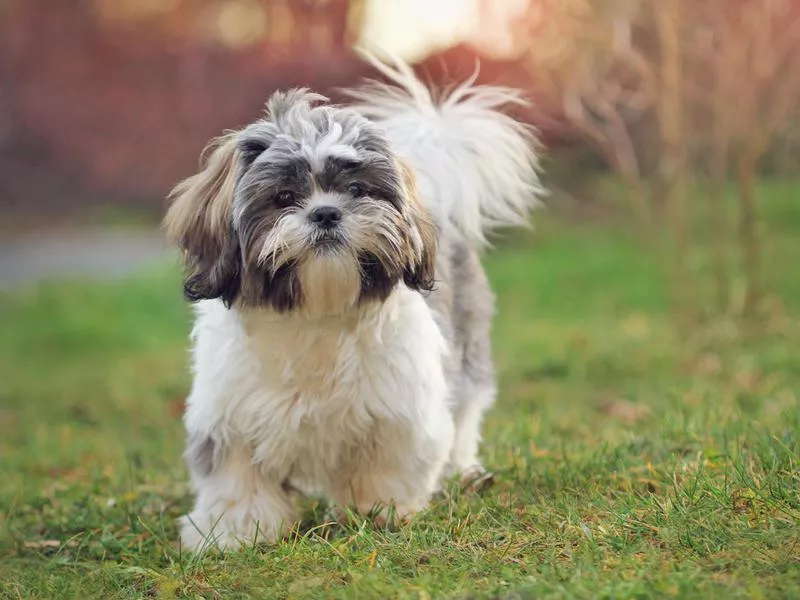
x: 476, y: 166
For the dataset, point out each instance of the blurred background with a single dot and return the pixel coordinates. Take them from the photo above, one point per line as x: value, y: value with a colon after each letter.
x: 647, y: 327
x: 105, y: 104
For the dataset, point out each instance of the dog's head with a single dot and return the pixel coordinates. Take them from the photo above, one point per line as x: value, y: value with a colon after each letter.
x: 305, y: 209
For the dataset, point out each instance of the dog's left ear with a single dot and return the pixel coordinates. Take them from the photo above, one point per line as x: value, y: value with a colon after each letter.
x: 199, y: 223
x: 420, y: 234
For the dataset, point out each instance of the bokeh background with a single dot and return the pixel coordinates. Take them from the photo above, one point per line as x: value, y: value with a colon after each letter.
x: 105, y: 104
x: 646, y: 437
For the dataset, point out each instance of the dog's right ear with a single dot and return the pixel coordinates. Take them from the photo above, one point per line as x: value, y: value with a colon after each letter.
x: 199, y: 222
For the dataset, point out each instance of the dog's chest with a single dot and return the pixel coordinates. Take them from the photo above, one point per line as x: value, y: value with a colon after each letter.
x: 324, y: 393
x: 316, y: 397
x: 323, y: 370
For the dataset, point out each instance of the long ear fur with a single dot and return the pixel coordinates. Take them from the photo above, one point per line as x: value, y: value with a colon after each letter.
x: 199, y: 223
x: 421, y: 237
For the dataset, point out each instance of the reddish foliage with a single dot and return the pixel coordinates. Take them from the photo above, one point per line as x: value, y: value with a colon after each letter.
x: 92, y: 111
x: 125, y: 112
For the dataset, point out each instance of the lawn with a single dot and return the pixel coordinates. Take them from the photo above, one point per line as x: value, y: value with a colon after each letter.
x: 634, y: 459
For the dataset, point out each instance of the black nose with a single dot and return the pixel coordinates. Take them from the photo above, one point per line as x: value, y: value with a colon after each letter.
x: 326, y: 217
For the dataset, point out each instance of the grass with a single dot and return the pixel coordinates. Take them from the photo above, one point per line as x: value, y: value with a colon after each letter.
x: 633, y: 460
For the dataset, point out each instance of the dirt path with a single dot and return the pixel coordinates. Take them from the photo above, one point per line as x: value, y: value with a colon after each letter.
x: 30, y: 257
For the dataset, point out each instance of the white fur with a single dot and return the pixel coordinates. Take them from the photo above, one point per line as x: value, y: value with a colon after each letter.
x: 331, y: 285
x: 475, y: 166
x: 352, y: 400
x: 354, y: 407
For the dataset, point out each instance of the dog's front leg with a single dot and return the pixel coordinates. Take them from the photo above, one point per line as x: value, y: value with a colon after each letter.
x: 237, y: 503
x: 399, y: 474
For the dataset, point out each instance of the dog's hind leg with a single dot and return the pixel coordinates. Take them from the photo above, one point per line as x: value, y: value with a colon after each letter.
x: 473, y: 382
x: 476, y: 398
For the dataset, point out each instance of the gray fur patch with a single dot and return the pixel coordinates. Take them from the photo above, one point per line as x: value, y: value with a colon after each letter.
x: 203, y: 454
x: 296, y: 150
x: 463, y: 305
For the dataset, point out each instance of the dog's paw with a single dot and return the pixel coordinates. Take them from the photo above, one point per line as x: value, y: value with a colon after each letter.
x: 476, y: 479
x: 198, y: 535
x: 382, y: 516
x: 469, y: 481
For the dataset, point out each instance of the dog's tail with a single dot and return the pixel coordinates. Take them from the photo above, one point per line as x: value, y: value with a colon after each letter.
x: 476, y: 166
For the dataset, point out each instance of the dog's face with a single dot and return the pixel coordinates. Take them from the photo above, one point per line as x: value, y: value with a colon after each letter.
x: 307, y: 209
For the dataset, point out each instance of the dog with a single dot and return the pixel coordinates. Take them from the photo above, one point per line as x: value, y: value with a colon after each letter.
x: 341, y: 341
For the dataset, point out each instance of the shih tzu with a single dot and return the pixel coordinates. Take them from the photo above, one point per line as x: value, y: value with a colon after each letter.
x: 341, y: 342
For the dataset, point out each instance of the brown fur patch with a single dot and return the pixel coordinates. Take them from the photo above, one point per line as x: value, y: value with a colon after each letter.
x: 421, y: 237
x: 198, y: 222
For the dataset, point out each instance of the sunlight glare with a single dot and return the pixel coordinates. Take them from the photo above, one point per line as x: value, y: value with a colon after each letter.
x: 415, y: 28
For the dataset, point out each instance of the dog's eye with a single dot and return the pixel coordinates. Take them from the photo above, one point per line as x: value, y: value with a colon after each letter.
x: 285, y: 198
x: 357, y: 190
